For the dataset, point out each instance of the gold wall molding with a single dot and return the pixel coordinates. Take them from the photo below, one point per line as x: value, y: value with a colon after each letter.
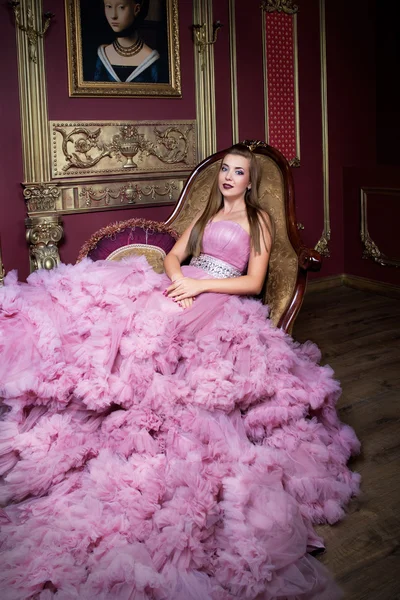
x: 253, y: 144
x: 30, y: 30
x: 33, y: 98
x: 285, y: 6
x: 43, y: 233
x: 322, y: 246
x: 35, y: 135
x: 131, y: 193
x: 202, y: 41
x: 41, y: 197
x: 371, y: 249
x: 265, y: 73
x: 100, y: 147
x: 295, y: 162
x: 205, y: 84
x: 72, y: 197
x: 233, y: 67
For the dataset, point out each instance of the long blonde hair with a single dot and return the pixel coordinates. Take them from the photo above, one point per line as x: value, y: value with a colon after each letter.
x: 216, y: 202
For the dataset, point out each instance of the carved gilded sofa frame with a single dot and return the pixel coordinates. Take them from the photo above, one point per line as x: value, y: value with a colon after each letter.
x: 290, y: 259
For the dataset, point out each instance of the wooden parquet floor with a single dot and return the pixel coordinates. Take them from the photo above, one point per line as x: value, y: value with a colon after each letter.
x: 359, y: 336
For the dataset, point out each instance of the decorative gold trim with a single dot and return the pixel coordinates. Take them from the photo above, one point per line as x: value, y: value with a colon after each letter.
x: 253, y: 144
x: 73, y: 197
x: 205, y: 85
x: 43, y: 233
x: 265, y: 69
x: 32, y: 33
x: 285, y: 6
x: 233, y: 65
x: 33, y: 98
x: 371, y: 250
x: 296, y: 160
x: 322, y: 246
x: 129, y: 193
x: 79, y: 87
x: 201, y: 40
x: 96, y: 147
x: 41, y: 197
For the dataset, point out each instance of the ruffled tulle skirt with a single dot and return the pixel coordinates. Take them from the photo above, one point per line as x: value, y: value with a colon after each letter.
x: 150, y: 452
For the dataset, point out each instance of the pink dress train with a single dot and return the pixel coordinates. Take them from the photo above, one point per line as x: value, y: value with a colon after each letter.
x: 150, y: 452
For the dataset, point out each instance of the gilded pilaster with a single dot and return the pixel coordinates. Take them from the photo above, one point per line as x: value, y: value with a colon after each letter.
x: 371, y: 249
x: 33, y: 97
x: 35, y: 132
x: 205, y: 82
x: 322, y: 245
x: 43, y: 233
x: 233, y: 64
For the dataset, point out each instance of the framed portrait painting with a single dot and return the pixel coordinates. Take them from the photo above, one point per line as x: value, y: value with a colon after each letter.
x: 123, y: 48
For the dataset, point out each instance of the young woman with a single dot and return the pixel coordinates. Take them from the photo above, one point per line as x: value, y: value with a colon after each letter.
x: 160, y: 438
x: 128, y: 58
x: 232, y: 200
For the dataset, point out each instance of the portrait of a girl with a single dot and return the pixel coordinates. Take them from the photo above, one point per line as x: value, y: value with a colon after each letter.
x: 124, y: 41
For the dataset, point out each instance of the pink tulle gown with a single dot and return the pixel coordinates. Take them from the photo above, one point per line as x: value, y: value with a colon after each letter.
x: 150, y: 452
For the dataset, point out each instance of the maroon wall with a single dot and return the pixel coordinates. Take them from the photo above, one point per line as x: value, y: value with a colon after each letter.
x: 12, y: 209
x: 388, y: 89
x: 383, y: 218
x: 353, y: 137
x: 308, y: 178
x: 351, y: 102
x: 351, y: 80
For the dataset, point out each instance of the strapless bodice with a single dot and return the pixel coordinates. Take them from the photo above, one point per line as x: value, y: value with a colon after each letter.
x: 227, y: 241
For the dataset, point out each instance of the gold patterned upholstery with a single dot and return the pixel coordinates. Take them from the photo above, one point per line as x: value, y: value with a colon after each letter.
x: 282, y: 272
x: 196, y: 198
x: 154, y: 254
x: 290, y: 260
x: 283, y: 265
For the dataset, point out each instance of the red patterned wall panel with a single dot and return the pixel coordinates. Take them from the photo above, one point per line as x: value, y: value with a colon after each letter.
x: 281, y: 84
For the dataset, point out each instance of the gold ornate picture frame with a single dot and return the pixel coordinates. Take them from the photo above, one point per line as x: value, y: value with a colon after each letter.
x: 90, y: 38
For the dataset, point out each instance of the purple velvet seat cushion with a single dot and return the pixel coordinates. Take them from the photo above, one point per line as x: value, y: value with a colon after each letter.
x: 134, y: 231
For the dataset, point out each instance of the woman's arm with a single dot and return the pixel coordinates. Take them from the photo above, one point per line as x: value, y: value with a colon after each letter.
x: 176, y: 256
x: 248, y: 285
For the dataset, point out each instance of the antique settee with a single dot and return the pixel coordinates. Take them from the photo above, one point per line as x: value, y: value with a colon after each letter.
x: 289, y: 262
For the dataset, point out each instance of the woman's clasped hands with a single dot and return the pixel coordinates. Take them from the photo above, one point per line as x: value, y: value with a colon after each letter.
x: 184, y: 291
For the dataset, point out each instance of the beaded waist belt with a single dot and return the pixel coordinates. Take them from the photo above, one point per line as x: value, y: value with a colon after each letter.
x: 214, y: 266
